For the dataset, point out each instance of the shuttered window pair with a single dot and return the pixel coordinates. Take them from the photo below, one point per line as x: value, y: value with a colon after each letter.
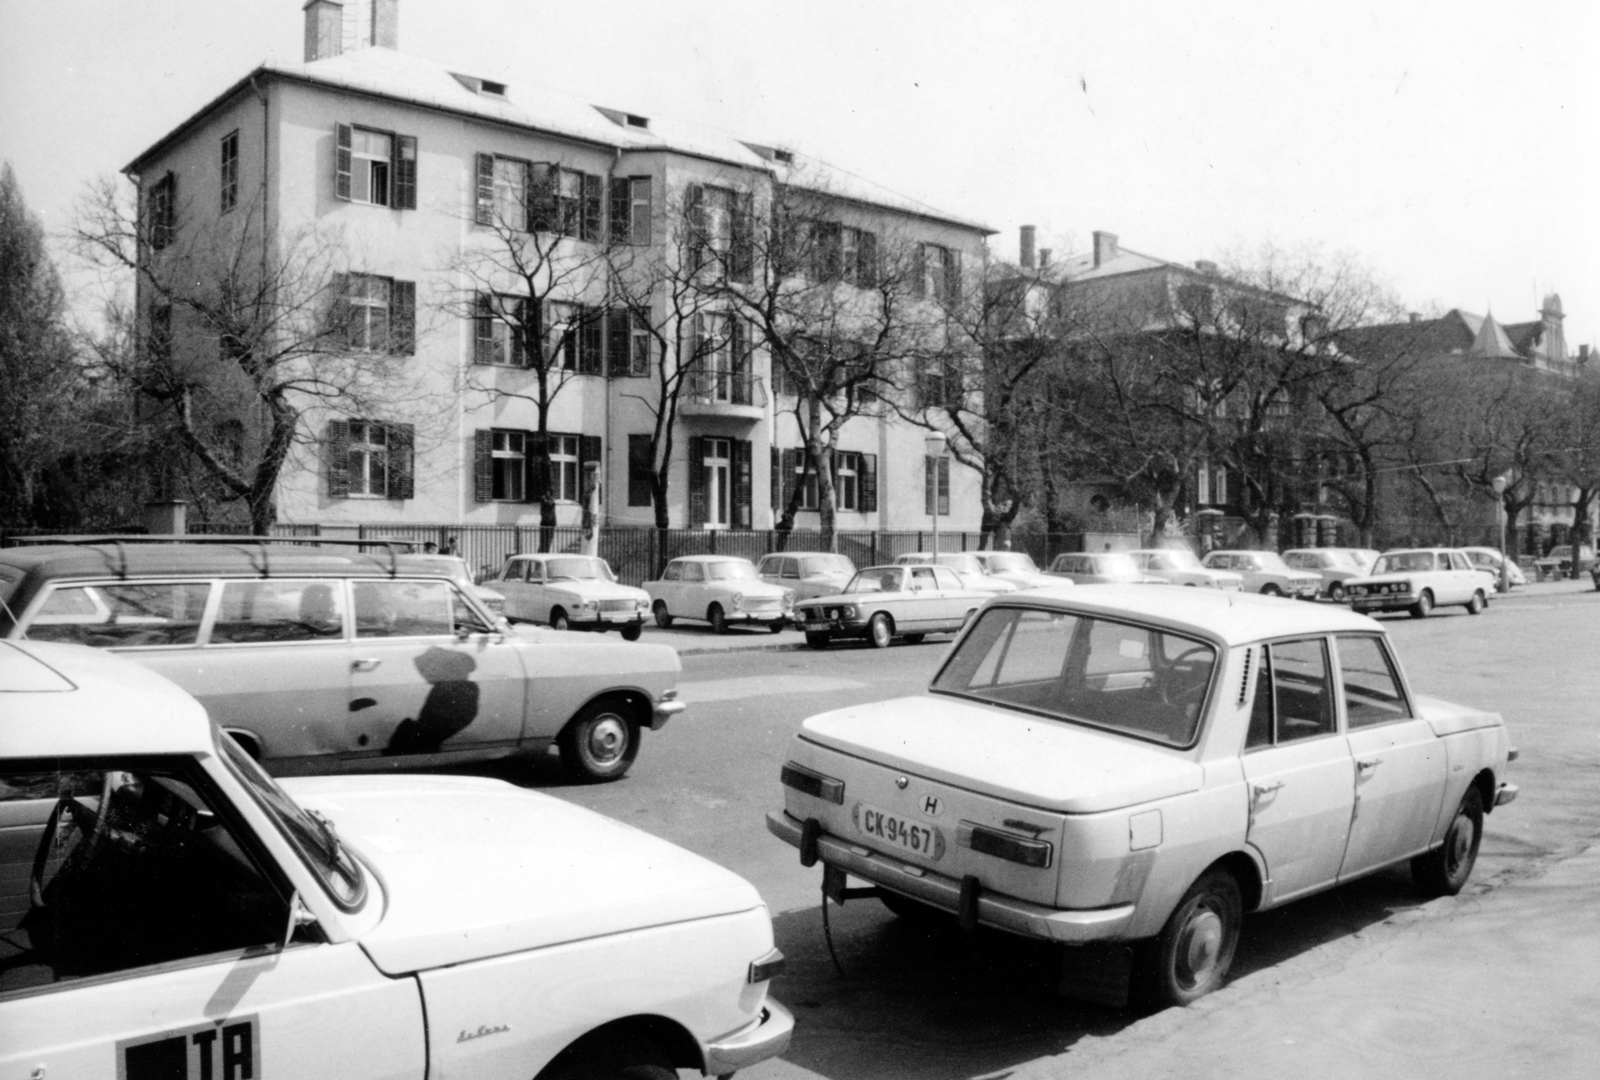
x: 855, y: 480
x: 836, y: 252
x: 937, y: 273
x: 524, y: 466
x: 374, y: 314
x: 630, y: 210
x: 538, y: 197
x: 368, y: 458
x: 939, y: 467
x: 721, y: 483
x: 721, y: 241
x: 375, y: 167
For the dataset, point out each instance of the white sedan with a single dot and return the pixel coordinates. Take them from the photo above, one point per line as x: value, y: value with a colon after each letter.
x: 1180, y: 566
x: 720, y: 589
x: 1420, y: 579
x: 967, y: 566
x: 571, y: 592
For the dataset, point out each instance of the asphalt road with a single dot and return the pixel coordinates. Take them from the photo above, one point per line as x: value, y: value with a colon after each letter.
x: 923, y: 1003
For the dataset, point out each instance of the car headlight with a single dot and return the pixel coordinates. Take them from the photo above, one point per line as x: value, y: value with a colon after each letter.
x: 642, y: 605
x: 736, y: 601
x: 788, y: 598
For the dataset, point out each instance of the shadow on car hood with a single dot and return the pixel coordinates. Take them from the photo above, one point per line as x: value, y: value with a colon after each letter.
x: 474, y: 868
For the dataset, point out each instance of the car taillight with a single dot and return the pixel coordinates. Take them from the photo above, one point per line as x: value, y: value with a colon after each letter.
x: 1003, y: 845
x: 814, y: 784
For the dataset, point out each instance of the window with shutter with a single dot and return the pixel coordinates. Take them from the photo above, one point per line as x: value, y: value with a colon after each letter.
x: 403, y: 318
x: 402, y: 461
x: 343, y: 138
x: 869, y: 483
x: 697, y: 482
x: 364, y: 165
x: 336, y: 453
x: 405, y: 172
x: 743, y: 484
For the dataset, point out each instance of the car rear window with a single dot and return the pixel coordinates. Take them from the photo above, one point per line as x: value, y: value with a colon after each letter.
x: 1100, y: 672
x: 121, y: 614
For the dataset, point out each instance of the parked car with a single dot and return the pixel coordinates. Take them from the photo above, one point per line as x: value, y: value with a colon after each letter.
x: 1557, y: 562
x: 807, y: 573
x: 1180, y: 566
x: 1420, y: 579
x: 719, y: 589
x: 1139, y: 767
x: 882, y: 602
x: 967, y: 567
x: 1363, y: 557
x: 329, y: 659
x: 1331, y: 564
x: 571, y: 592
x: 455, y: 568
x: 1266, y: 572
x: 1488, y: 560
x: 172, y: 911
x: 1102, y: 568
x: 1016, y: 567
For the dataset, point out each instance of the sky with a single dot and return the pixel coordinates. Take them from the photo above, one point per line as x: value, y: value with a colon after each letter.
x: 1450, y: 146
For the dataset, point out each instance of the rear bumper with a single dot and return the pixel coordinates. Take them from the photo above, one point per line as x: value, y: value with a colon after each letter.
x: 1506, y: 793
x: 664, y: 711
x: 767, y: 1037
x: 994, y: 909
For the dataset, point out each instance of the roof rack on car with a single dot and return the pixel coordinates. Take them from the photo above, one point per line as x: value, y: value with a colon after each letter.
x: 393, y: 547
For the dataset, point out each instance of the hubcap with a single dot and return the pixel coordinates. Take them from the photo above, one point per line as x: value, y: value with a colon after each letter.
x: 1200, y: 947
x: 1460, y: 841
x: 607, y: 739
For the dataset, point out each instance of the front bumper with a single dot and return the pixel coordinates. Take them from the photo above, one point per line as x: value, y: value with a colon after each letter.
x: 767, y: 1037
x: 994, y: 909
x: 831, y: 627
x: 665, y: 710
x: 1387, y: 602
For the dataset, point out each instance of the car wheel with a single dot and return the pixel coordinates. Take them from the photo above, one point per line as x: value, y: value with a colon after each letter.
x: 775, y: 626
x: 1270, y: 589
x: 629, y: 1059
x: 718, y: 621
x: 914, y: 639
x: 558, y: 619
x: 1336, y: 592
x: 1192, y: 955
x: 1424, y: 605
x: 817, y: 640
x: 599, y: 744
x: 632, y: 631
x: 1476, y: 605
x: 879, y: 632
x: 1445, y: 869
x: 663, y: 620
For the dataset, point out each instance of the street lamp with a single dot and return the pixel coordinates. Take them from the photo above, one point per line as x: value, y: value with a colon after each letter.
x: 934, y: 446
x: 1500, y: 484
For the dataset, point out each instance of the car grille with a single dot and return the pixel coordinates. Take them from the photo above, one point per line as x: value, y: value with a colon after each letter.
x: 618, y: 605
x: 763, y: 605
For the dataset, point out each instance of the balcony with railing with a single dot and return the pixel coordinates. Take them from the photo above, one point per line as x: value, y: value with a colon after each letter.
x: 733, y: 395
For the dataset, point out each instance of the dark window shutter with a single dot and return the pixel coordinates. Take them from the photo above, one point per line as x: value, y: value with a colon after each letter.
x: 867, y: 260
x: 337, y: 451
x: 741, y: 261
x: 538, y: 457
x: 402, y: 460
x: 483, y: 331
x: 869, y: 483
x: 405, y: 172
x: 403, y: 318
x: 339, y: 311
x: 775, y: 482
x: 641, y: 353
x: 483, y: 465
x: 343, y: 139
x: 944, y: 487
x: 743, y: 483
x: 928, y: 466
x: 697, y: 226
x: 619, y: 341
x: 593, y: 200
x: 621, y: 210
x: 740, y: 345
x: 640, y: 464
x: 544, y: 181
x: 485, y: 199
x: 792, y: 460
x: 588, y: 449
x: 643, y: 209
x: 919, y: 274
x: 952, y: 276
x: 697, y: 482
x: 589, y: 334
x: 520, y: 332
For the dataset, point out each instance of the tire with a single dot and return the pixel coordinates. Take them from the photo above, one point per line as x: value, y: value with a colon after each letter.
x: 1192, y: 955
x: 1445, y: 869
x: 599, y: 744
x: 775, y: 626
x: 1424, y: 605
x: 914, y: 639
x: 1476, y: 605
x: 817, y: 639
x: 879, y: 631
x: 913, y: 911
x: 1336, y: 592
x: 663, y: 620
x: 632, y: 631
x: 718, y: 621
x: 1270, y: 589
x: 631, y: 1060
x: 558, y: 619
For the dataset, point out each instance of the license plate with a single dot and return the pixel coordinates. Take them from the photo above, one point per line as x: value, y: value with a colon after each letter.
x: 898, y: 831
x: 816, y: 626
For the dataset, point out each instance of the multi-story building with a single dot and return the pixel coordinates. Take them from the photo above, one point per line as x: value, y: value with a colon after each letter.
x: 465, y: 222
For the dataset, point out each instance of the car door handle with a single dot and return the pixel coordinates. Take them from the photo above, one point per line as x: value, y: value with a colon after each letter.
x: 1261, y: 792
x: 1369, y: 764
x: 369, y: 664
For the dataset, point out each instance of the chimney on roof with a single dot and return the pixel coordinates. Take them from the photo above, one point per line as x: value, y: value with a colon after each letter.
x: 1027, y: 247
x: 1105, y: 247
x: 1044, y: 258
x: 1205, y: 266
x: 324, y: 29
x: 1583, y: 354
x: 385, y: 30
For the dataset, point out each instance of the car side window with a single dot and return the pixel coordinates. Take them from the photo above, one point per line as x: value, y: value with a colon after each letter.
x: 694, y: 571
x: 791, y: 568
x: 131, y: 866
x: 674, y: 572
x: 946, y: 578
x: 124, y: 614
x: 271, y: 610
x: 396, y: 608
x: 922, y: 578
x: 1372, y: 693
x: 1302, y: 694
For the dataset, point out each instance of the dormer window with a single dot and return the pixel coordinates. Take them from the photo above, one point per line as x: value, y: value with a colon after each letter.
x: 498, y: 89
x: 785, y: 156
x: 480, y: 86
x: 638, y: 121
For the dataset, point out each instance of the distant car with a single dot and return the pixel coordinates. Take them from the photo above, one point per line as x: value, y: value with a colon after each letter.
x: 807, y: 573
x: 1363, y: 557
x: 718, y: 589
x: 1266, y: 572
x: 884, y: 602
x: 1016, y: 567
x: 571, y: 592
x: 1333, y: 565
x: 968, y: 567
x: 1102, y: 568
x: 1139, y: 768
x: 1489, y: 560
x: 454, y: 567
x: 1180, y: 566
x: 1420, y: 579
x: 1558, y: 561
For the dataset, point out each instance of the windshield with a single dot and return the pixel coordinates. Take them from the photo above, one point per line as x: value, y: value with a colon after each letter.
x: 1011, y: 562
x: 1175, y: 560
x: 1099, y: 672
x: 311, y: 834
x: 875, y: 579
x: 826, y: 564
x: 731, y: 570
x: 580, y: 569
x: 1405, y: 562
x: 1269, y: 560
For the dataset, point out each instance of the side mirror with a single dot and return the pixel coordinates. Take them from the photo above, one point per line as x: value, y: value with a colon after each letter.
x: 299, y: 916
